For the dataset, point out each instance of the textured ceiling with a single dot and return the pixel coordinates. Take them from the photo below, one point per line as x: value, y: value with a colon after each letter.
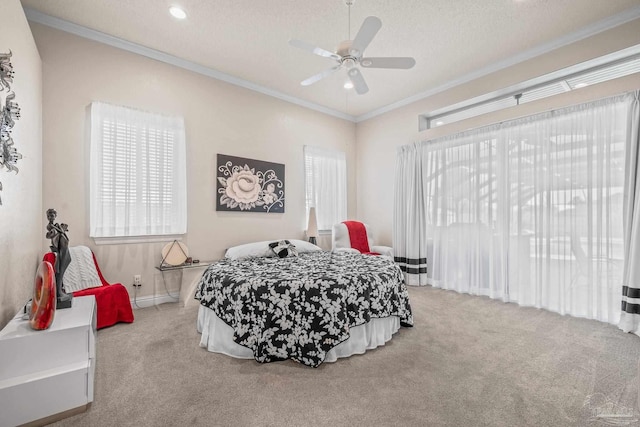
x: 248, y: 39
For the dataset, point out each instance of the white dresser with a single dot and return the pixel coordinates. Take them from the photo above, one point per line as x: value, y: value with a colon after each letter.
x: 44, y: 373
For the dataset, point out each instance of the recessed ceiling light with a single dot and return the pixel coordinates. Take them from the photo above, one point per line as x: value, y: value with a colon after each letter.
x: 348, y: 84
x: 579, y: 85
x: 177, y: 12
x: 439, y: 123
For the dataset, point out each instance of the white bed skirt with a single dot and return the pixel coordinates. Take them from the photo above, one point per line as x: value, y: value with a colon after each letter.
x: 217, y: 337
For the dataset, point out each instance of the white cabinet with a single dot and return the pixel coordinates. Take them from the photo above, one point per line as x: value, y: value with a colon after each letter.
x: 43, y: 373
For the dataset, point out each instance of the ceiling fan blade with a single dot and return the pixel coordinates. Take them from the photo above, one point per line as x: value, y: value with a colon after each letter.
x: 358, y: 81
x: 314, y: 49
x: 399, y: 62
x: 369, y: 29
x: 311, y: 80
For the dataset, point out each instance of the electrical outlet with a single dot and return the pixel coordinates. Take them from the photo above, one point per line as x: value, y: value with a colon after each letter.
x: 137, y: 280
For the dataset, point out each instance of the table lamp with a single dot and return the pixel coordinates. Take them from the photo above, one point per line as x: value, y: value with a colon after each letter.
x: 312, y: 227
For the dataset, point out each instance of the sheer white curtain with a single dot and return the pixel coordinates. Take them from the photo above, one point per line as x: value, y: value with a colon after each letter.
x: 528, y: 211
x: 138, y: 173
x: 409, y: 222
x: 326, y: 185
x: 630, y: 319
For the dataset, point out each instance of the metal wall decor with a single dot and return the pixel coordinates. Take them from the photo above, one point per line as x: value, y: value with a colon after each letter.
x: 9, y: 113
x: 249, y: 185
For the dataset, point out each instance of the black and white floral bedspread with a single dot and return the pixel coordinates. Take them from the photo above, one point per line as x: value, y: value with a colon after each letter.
x: 300, y: 307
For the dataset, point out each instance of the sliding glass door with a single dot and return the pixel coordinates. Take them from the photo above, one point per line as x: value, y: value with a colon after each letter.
x: 528, y: 211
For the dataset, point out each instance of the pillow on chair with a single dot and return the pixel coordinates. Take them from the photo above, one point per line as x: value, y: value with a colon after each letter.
x: 81, y: 272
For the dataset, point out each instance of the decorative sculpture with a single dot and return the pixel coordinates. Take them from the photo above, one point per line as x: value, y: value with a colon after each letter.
x: 60, y: 247
x: 43, y: 306
x: 9, y: 113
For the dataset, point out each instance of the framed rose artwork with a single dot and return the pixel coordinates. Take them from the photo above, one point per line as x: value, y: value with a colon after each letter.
x: 249, y: 185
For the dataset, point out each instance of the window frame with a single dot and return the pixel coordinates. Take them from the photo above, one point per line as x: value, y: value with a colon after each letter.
x: 339, y: 171
x: 145, y: 190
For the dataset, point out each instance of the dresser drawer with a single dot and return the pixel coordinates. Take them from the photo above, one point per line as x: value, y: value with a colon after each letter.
x: 34, y: 396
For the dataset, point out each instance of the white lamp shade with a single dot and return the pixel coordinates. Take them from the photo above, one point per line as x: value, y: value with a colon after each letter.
x: 174, y: 253
x: 312, y: 228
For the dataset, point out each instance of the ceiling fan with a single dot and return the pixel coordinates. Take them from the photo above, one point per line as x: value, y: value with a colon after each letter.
x: 349, y: 55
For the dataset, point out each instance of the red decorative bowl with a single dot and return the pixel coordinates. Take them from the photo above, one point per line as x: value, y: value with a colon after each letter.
x: 43, y: 306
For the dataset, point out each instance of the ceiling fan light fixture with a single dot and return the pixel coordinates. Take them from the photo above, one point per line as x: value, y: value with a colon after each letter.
x: 348, y: 63
x: 177, y: 12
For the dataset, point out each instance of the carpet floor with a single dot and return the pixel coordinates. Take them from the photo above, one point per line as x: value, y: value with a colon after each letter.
x: 468, y: 361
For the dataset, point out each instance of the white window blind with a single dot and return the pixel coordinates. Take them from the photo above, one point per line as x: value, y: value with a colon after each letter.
x: 138, y: 173
x: 326, y: 185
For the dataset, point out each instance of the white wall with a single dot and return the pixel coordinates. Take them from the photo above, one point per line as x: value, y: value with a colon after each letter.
x: 379, y: 137
x: 219, y: 118
x: 21, y: 215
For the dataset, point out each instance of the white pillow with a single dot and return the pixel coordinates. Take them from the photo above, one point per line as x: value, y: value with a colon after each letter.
x: 304, y: 246
x: 262, y: 249
x: 249, y: 250
x: 81, y: 272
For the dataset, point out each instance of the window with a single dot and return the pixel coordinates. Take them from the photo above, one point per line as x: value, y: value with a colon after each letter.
x: 598, y: 70
x: 138, y: 174
x: 326, y: 185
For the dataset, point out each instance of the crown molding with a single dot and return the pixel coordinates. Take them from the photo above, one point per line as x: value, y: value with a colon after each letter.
x: 591, y: 30
x: 78, y: 30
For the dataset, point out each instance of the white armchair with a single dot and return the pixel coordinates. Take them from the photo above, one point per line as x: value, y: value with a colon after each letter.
x: 341, y: 241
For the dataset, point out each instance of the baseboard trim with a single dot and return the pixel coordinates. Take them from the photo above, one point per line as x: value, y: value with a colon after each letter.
x: 150, y: 301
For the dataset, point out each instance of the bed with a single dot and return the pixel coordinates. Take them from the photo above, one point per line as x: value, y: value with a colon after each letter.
x: 311, y: 307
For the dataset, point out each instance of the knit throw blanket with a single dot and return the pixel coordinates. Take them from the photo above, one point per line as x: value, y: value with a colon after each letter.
x: 81, y: 272
x: 358, y: 237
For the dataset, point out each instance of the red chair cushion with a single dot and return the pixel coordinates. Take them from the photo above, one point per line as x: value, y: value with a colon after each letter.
x: 112, y: 300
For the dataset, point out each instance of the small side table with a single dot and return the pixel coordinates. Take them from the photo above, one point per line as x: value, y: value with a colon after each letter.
x: 182, y: 297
